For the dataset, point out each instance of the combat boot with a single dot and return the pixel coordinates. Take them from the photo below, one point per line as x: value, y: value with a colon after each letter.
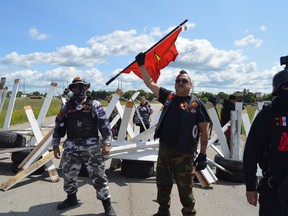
x: 109, y: 211
x: 69, y: 202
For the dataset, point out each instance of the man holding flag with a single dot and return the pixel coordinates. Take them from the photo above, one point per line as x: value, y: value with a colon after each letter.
x: 183, y: 120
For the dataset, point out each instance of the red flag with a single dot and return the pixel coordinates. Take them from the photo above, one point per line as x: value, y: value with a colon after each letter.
x: 158, y: 57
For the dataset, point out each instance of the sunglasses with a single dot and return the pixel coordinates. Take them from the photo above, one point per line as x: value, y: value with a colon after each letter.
x: 184, y: 81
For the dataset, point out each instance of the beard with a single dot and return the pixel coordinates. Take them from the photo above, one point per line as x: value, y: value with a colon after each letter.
x: 182, y: 91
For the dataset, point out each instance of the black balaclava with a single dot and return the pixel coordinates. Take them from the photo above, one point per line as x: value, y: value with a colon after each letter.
x: 283, y: 96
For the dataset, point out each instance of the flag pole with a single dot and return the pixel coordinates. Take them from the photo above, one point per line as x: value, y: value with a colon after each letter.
x: 113, y: 78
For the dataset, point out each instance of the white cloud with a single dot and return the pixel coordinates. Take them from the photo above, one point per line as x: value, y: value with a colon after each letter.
x: 211, y: 69
x: 36, y: 35
x: 249, y: 40
x: 263, y: 28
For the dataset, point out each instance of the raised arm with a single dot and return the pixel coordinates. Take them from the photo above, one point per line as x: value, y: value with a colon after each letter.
x: 154, y: 87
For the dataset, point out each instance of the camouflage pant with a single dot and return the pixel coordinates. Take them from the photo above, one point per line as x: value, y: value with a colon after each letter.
x: 71, y: 163
x: 173, y: 165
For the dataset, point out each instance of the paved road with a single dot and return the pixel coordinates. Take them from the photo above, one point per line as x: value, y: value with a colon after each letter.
x: 37, y: 195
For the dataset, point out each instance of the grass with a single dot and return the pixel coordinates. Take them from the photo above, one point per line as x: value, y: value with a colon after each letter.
x: 19, y: 115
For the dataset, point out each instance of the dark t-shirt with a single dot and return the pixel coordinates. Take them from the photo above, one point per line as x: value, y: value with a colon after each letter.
x: 171, y: 125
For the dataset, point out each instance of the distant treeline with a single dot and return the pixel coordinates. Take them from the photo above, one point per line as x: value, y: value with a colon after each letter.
x: 247, y: 96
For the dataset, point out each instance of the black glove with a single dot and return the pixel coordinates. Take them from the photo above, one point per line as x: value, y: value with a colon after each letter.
x: 200, y: 162
x: 140, y: 58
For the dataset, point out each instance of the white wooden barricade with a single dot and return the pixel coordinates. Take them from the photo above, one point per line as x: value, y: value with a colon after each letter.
x: 44, y: 110
x: 247, y: 126
x: 46, y: 104
x: 30, y: 163
x: 3, y: 92
x: 125, y: 121
x: 36, y: 128
x: 11, y: 105
x: 44, y: 151
x: 236, y: 122
x: 26, y: 172
x: 114, y: 100
x: 218, y: 130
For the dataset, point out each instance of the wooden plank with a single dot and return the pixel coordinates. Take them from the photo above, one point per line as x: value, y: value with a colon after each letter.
x: 132, y: 146
x: 142, y: 155
x: 234, y: 138
x: 46, y: 104
x: 121, y: 112
x: 236, y: 127
x: 113, y: 102
x: 36, y: 149
x: 26, y: 172
x: 201, y: 179
x: 125, y: 121
x: 10, y: 108
x: 38, y: 136
x: 206, y: 177
x: 209, y: 175
x: 145, y: 135
x: 219, y: 132
x: 156, y: 119
x: 3, y: 92
x: 246, y: 121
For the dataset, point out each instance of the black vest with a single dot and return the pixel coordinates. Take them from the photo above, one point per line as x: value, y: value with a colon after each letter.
x: 81, y: 124
x: 189, y: 133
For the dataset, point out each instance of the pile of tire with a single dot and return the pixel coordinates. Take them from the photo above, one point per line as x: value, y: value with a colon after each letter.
x: 234, y: 167
x: 18, y: 157
x: 9, y: 139
x: 137, y: 169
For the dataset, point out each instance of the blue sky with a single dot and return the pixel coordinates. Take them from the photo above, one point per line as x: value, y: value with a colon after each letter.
x: 228, y: 45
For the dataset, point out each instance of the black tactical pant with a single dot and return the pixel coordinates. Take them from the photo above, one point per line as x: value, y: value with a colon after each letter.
x: 269, y: 199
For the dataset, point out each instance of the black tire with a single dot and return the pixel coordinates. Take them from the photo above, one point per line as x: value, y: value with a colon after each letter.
x: 234, y: 167
x: 137, y: 169
x: 10, y: 139
x: 18, y: 157
x: 228, y: 163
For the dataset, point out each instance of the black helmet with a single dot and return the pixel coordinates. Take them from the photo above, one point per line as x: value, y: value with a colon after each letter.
x: 78, y: 80
x: 278, y: 79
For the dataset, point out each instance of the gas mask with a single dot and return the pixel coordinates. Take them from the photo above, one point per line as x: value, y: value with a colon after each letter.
x: 79, y: 92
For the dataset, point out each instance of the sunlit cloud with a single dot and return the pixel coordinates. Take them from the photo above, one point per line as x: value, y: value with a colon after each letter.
x: 36, y: 35
x: 249, y: 40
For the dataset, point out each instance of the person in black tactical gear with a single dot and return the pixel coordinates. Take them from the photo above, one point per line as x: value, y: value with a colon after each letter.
x: 144, y: 110
x: 267, y: 146
x: 228, y: 106
x: 183, y: 120
x: 80, y: 118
